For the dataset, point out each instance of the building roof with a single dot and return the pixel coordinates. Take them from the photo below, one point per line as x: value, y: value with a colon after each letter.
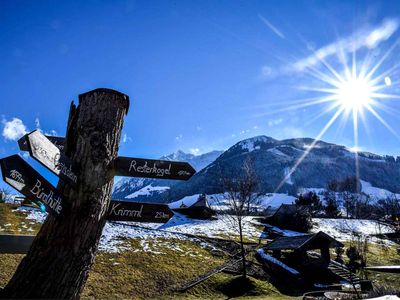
x: 289, y: 209
x: 306, y: 241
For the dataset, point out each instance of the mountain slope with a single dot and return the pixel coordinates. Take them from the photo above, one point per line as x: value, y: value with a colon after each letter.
x: 273, y: 159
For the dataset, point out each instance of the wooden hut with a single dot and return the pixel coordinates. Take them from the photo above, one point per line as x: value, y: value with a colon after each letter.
x: 198, y: 210
x: 300, y: 244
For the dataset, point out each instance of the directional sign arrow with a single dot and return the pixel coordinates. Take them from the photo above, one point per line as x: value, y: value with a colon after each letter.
x: 138, y: 212
x: 15, y: 244
x: 50, y: 156
x: 58, y: 141
x: 150, y: 168
x: 21, y: 176
x: 134, y: 167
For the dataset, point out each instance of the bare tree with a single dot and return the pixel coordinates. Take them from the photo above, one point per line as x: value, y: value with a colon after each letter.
x: 390, y: 207
x: 239, y: 198
x: 5, y: 195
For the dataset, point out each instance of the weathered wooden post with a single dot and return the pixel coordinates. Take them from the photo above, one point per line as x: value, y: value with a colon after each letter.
x: 58, y: 263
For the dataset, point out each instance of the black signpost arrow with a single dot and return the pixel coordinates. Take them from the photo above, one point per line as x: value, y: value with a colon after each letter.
x: 151, y: 168
x: 138, y: 212
x: 21, y: 176
x: 58, y: 141
x: 15, y: 244
x: 50, y: 156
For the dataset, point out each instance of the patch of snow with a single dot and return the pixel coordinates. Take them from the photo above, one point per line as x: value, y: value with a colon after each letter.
x: 288, y: 175
x: 277, y: 152
x: 188, y: 201
x: 386, y: 297
x: 221, y: 226
x: 283, y: 232
x: 342, y: 229
x: 250, y: 144
x: 114, y: 235
x: 33, y: 214
x: 275, y: 200
x: 148, y: 190
x: 273, y: 260
x: 127, y: 184
x: 374, y: 192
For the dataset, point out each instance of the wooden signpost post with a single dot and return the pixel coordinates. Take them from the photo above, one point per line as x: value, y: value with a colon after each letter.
x: 93, y: 133
x: 21, y: 176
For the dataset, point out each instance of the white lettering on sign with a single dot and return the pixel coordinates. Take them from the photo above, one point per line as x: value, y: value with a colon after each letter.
x: 42, y: 152
x: 183, y: 173
x: 47, y: 198
x: 126, y: 212
x: 55, y: 160
x: 17, y: 176
x: 149, y: 170
x: 161, y: 215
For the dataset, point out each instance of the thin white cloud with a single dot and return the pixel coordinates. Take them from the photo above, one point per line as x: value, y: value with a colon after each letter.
x: 274, y: 122
x: 13, y: 129
x: 179, y: 137
x: 194, y: 151
x: 362, y: 38
x: 51, y: 132
x: 272, y: 27
x: 37, y: 122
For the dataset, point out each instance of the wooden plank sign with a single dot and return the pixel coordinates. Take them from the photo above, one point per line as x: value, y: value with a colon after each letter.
x: 45, y: 152
x: 21, y: 176
x: 15, y: 244
x: 151, y: 168
x: 58, y: 141
x: 138, y: 212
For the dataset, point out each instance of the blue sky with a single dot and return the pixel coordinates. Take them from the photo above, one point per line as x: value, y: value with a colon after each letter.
x: 201, y: 75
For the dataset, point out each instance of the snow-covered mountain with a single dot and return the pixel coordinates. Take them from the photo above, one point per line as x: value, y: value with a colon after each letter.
x: 145, y: 189
x: 273, y: 159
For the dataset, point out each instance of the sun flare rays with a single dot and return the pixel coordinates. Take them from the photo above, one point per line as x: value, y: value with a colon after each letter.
x: 352, y: 92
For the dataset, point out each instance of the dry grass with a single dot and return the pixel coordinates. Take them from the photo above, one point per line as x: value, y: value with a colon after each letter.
x: 13, y: 221
x: 137, y: 274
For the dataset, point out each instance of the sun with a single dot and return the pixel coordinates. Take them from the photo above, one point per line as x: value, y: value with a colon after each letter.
x: 354, y: 93
x: 351, y: 93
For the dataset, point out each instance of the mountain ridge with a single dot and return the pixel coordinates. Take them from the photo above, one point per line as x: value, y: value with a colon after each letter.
x: 272, y: 161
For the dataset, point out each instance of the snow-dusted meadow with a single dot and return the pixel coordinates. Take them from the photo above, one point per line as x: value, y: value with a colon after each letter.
x: 115, y: 234
x: 180, y: 227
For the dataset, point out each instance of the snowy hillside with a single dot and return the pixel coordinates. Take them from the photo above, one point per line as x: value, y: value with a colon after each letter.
x: 147, y: 188
x: 272, y: 161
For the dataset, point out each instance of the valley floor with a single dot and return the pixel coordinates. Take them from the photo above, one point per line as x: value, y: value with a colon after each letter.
x: 153, y: 262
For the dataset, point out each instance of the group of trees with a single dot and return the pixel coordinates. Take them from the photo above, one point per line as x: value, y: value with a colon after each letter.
x: 346, y: 194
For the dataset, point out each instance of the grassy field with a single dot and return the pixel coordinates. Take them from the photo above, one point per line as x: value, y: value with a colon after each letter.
x: 147, y: 271
x: 12, y: 221
x: 144, y: 275
x: 381, y: 255
x: 151, y: 269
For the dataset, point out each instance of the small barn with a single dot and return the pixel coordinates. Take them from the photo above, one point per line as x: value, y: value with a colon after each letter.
x: 286, y: 211
x: 292, y: 217
x: 198, y: 210
x: 300, y: 244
